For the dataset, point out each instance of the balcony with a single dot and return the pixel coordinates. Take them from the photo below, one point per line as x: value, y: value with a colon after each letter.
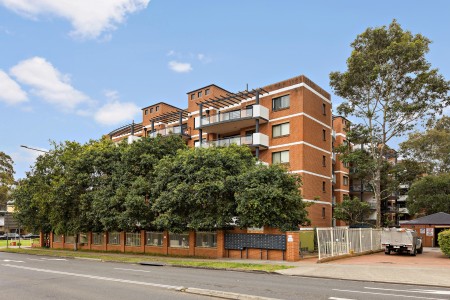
x: 254, y: 140
x: 358, y: 188
x: 372, y: 205
x: 402, y: 198
x: 232, y: 120
x: 403, y: 210
x: 181, y: 130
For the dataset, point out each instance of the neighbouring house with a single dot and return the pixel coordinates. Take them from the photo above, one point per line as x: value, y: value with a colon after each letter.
x: 428, y: 227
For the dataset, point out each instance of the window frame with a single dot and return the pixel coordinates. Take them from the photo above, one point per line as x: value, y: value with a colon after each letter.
x: 280, y: 98
x: 345, y: 180
x: 280, y: 153
x: 324, y: 161
x: 207, y: 92
x: 281, y: 126
x: 324, y: 134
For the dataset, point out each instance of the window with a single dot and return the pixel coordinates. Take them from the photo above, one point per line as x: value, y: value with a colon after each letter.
x: 324, y: 187
x: 281, y: 157
x: 324, y: 161
x: 324, y: 134
x: 345, y: 180
x: 192, y: 96
x: 151, y: 110
x: 207, y: 92
x: 324, y: 109
x: 280, y: 130
x: 323, y: 212
x: 114, y: 238
x: 196, y: 143
x: 179, y: 240
x: 133, y: 239
x: 70, y: 239
x: 146, y: 112
x: 154, y: 238
x: 280, y: 102
x: 157, y: 108
x: 57, y: 238
x: 97, y: 238
x: 346, y: 165
x: 83, y: 238
x: 206, y: 239
x: 199, y: 94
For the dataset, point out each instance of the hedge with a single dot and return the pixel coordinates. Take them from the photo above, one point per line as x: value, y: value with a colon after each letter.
x: 444, y: 241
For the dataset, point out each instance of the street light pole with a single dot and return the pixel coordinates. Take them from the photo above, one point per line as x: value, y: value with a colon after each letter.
x: 30, y: 148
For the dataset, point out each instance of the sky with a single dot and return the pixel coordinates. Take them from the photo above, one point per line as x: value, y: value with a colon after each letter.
x: 75, y: 70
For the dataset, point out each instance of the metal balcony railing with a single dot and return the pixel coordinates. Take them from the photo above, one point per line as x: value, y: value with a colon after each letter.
x: 171, y: 130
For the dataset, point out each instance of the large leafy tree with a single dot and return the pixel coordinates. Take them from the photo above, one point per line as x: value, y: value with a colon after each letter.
x: 430, y: 148
x: 352, y: 211
x: 195, y: 189
x: 270, y: 196
x: 430, y: 195
x: 6, y: 178
x: 390, y: 86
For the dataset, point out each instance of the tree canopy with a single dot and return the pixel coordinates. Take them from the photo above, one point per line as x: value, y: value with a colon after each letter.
x: 352, y: 211
x: 389, y: 86
x: 6, y: 178
x: 430, y: 195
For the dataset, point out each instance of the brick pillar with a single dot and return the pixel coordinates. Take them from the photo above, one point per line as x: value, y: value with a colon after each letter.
x: 166, y: 242
x: 192, y: 243
x: 63, y: 241
x: 122, y: 241
x: 142, y: 241
x: 292, y: 246
x: 51, y: 239
x: 41, y: 239
x: 89, y: 237
x: 105, y: 241
x: 220, y: 243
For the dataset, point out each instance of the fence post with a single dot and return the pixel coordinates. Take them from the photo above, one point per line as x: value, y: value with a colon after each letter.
x: 318, y: 241
x: 332, y: 241
x: 348, y: 241
x: 360, y: 240
x: 371, y: 239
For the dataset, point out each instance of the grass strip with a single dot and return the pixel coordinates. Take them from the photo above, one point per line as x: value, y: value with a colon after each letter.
x: 137, y: 258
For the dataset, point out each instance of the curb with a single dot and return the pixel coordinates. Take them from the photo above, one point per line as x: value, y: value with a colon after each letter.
x: 224, y: 295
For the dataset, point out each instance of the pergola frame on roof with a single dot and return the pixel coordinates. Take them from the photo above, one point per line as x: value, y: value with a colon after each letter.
x: 169, y: 117
x: 230, y: 99
x: 127, y: 129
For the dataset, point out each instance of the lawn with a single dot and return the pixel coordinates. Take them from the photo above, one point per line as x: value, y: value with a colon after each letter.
x: 23, y: 242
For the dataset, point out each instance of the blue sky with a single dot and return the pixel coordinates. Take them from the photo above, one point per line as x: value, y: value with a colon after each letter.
x: 74, y: 70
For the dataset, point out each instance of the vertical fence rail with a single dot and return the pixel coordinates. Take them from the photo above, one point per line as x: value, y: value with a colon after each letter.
x: 336, y: 241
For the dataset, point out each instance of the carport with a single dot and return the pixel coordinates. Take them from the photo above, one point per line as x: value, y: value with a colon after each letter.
x: 428, y: 227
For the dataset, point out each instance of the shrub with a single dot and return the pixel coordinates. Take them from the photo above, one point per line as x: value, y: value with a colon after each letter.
x: 444, y: 241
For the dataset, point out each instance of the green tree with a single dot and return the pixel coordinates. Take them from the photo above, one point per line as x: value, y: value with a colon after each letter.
x: 352, y: 211
x: 430, y: 148
x: 195, y: 189
x: 389, y: 85
x: 6, y: 178
x: 270, y: 196
x: 430, y: 195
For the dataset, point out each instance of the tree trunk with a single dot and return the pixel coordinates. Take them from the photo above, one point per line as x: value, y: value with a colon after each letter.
x: 377, y: 194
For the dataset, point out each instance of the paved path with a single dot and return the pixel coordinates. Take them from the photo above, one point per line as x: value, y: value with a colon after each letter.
x: 430, y: 268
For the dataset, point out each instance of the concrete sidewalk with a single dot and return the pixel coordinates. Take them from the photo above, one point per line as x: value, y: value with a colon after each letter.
x: 430, y: 268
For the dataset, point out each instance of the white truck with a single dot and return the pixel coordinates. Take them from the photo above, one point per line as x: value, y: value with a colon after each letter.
x: 401, y: 240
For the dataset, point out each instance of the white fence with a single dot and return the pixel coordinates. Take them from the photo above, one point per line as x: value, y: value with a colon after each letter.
x: 335, y: 241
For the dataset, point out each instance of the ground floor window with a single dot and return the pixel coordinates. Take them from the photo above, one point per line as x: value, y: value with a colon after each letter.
x: 57, y: 238
x: 70, y: 239
x: 114, y: 238
x: 97, y: 238
x: 83, y: 238
x: 133, y: 238
x: 154, y: 238
x: 206, y: 239
x: 179, y: 240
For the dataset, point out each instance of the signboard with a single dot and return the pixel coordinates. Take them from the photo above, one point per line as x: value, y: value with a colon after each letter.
x: 290, y: 238
x: 430, y: 231
x: 255, y: 229
x: 422, y: 230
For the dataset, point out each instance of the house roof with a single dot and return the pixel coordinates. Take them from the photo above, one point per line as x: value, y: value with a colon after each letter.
x: 439, y: 218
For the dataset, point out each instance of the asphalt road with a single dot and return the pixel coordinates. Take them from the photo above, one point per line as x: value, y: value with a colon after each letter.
x: 39, y: 277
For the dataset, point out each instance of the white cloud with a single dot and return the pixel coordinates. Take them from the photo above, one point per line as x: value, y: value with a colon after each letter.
x: 180, y: 67
x: 116, y: 112
x: 48, y: 83
x: 203, y: 58
x: 89, y: 18
x: 11, y: 93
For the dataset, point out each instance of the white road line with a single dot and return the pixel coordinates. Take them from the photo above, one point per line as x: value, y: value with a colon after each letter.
x: 334, y: 298
x: 38, y: 259
x: 10, y: 260
x: 169, y: 287
x: 54, y: 259
x: 435, y: 292
x: 133, y: 270
x: 390, y: 295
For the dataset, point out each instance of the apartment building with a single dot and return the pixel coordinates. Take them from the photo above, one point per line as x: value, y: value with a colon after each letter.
x: 288, y: 122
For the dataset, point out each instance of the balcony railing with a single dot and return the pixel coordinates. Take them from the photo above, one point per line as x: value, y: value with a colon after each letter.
x: 402, y: 198
x: 358, y: 188
x: 257, y: 111
x: 171, y: 130
x: 403, y: 210
x: 256, y: 139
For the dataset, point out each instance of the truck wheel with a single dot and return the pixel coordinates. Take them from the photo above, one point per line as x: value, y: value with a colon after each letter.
x: 387, y: 251
x: 420, y: 250
x: 414, y: 252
